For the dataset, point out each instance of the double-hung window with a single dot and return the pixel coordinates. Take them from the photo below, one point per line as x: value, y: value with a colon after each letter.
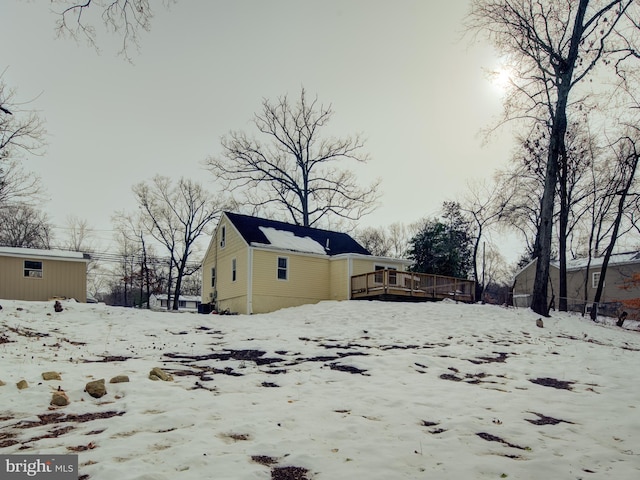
x: 213, y: 277
x: 595, y: 278
x: 223, y: 236
x: 234, y: 270
x: 283, y: 268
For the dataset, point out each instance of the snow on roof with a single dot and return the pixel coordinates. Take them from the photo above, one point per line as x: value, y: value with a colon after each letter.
x: 186, y: 298
x: 41, y: 253
x: 289, y: 241
x: 616, y: 259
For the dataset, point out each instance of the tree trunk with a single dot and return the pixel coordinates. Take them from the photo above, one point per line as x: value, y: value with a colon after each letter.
x: 564, y: 76
x: 562, y: 234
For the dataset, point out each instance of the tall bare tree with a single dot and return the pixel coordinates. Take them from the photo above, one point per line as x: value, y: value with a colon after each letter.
x: 22, y: 225
x: 176, y: 215
x: 484, y: 205
x: 628, y: 155
x: 297, y: 170
x: 21, y: 132
x: 553, y: 46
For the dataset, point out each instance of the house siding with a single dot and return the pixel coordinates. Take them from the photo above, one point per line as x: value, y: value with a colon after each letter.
x: 231, y: 295
x: 339, y: 281
x: 612, y: 292
x: 307, y: 282
x: 60, y: 278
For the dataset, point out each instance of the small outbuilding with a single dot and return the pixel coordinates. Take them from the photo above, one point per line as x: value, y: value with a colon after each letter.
x: 186, y: 303
x: 39, y: 275
x: 582, y: 281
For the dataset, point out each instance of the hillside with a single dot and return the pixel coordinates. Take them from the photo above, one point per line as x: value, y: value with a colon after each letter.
x: 338, y: 390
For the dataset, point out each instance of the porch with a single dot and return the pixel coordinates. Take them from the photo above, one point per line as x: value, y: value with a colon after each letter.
x: 409, y: 286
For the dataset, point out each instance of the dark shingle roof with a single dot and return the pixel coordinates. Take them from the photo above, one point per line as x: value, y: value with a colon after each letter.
x: 249, y: 228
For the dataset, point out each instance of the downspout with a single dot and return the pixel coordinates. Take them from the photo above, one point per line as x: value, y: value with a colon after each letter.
x: 349, y: 275
x: 249, y: 280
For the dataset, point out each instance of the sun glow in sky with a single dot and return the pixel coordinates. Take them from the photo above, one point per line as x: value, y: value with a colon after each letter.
x: 400, y: 73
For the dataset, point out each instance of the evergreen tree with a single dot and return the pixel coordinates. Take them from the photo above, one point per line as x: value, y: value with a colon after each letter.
x: 443, y: 246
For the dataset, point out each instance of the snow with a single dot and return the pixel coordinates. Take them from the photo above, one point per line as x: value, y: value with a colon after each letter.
x: 40, y: 253
x: 289, y: 241
x: 343, y: 390
x: 616, y: 259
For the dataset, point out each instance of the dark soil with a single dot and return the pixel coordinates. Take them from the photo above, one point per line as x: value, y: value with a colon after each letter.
x: 492, y: 438
x: 544, y: 420
x: 289, y: 473
x: 52, y: 418
x: 501, y: 358
x: 264, y: 460
x: 109, y: 358
x: 348, y: 368
x: 553, y: 382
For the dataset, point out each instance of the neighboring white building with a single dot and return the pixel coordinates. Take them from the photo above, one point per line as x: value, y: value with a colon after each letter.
x: 186, y: 303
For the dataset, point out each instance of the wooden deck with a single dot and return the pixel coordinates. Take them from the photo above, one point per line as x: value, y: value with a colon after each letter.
x: 408, y: 286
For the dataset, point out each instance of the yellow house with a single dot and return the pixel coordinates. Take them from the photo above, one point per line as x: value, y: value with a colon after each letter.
x: 38, y: 275
x: 255, y: 265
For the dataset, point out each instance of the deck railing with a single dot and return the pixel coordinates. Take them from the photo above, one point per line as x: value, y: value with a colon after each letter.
x: 395, y: 283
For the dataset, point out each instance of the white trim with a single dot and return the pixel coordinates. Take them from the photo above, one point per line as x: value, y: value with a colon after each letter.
x: 41, y: 254
x: 349, y: 275
x: 249, y: 280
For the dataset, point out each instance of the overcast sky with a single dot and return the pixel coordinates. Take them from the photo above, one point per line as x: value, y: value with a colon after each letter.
x: 398, y: 72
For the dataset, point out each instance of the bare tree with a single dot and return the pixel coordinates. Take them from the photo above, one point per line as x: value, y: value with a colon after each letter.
x: 296, y: 171
x: 22, y: 225
x: 79, y: 234
x: 125, y: 17
x: 628, y: 156
x: 553, y: 46
x: 376, y: 240
x: 484, y: 205
x: 21, y: 132
x: 176, y: 215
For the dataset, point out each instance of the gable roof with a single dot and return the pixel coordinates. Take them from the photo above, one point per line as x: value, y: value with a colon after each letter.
x: 38, y: 253
x: 262, y: 232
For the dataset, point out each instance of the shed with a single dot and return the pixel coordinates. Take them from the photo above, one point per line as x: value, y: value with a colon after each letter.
x: 39, y: 275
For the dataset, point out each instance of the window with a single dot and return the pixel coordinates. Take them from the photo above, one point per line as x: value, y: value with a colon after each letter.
x: 379, y: 277
x: 223, y: 236
x: 213, y: 276
x: 595, y: 278
x: 182, y: 304
x: 233, y: 270
x: 283, y: 268
x: 32, y: 269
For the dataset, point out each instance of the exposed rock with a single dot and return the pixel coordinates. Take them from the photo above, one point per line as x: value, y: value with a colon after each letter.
x: 59, y: 399
x: 119, y: 379
x: 51, y: 376
x: 2, y: 384
x: 96, y: 388
x: 22, y: 384
x: 159, y: 374
x: 540, y: 323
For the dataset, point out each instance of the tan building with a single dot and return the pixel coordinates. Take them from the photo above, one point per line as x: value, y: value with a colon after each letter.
x: 255, y: 265
x: 39, y: 275
x: 617, y: 287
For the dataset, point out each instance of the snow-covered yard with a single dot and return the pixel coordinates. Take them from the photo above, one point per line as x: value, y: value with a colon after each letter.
x: 338, y: 390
